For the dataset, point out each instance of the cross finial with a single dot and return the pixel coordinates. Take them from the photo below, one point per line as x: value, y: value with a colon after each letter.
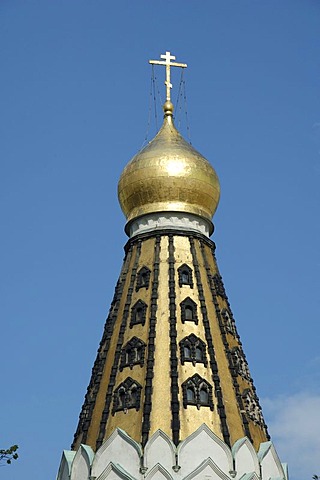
x: 167, y: 62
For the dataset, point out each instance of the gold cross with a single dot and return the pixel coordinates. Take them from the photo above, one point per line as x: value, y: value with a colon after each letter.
x: 167, y: 62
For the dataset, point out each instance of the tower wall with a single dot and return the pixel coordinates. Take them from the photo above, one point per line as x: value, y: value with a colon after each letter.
x: 170, y: 357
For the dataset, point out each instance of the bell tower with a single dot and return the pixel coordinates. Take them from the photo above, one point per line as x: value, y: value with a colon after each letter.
x: 171, y: 393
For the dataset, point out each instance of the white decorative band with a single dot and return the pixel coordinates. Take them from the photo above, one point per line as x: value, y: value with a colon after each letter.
x: 169, y: 220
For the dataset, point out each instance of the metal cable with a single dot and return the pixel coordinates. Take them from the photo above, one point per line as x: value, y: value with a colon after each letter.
x: 186, y: 110
x: 155, y: 84
x: 149, y: 114
x: 178, y: 103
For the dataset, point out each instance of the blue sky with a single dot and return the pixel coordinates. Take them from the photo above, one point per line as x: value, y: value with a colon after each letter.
x: 74, y: 101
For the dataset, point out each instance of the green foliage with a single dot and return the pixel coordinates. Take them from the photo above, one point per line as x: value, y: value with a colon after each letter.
x: 9, y: 454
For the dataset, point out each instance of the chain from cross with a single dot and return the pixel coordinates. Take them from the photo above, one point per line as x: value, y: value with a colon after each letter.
x: 167, y: 62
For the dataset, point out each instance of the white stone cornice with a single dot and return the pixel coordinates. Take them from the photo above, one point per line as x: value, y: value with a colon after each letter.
x: 169, y: 221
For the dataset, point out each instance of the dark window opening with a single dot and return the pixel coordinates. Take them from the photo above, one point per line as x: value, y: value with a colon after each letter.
x: 218, y: 286
x: 132, y: 353
x: 197, y: 391
x: 193, y: 349
x: 122, y: 396
x: 191, y: 395
x: 228, y: 322
x: 199, y: 354
x: 187, y: 353
x: 126, y: 396
x: 138, y: 313
x: 204, y: 396
x: 185, y: 275
x: 189, y: 311
x: 143, y: 278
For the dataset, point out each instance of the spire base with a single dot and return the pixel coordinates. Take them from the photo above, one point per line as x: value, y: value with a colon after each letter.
x: 201, y: 455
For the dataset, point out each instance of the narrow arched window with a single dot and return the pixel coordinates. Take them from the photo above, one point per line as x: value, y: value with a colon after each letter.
x: 132, y: 353
x: 191, y: 396
x: 185, y: 275
x: 138, y: 313
x: 240, y: 363
x: 229, y: 323
x: 199, y: 354
x: 189, y: 311
x: 126, y: 395
x: 198, y: 392
x: 134, y: 394
x: 193, y: 349
x: 143, y: 278
x: 204, y: 396
x: 187, y: 352
x: 127, y: 356
x: 122, y: 397
x: 138, y: 354
x: 218, y: 286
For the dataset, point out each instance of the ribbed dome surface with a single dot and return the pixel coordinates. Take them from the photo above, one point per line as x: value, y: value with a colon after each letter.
x: 168, y: 175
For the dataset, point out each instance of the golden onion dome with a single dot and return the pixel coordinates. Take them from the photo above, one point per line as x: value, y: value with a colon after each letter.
x: 168, y: 175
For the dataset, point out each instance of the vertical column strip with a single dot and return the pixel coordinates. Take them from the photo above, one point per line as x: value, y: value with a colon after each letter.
x: 213, y: 362
x: 98, y: 367
x: 151, y: 344
x: 115, y: 366
x: 175, y: 423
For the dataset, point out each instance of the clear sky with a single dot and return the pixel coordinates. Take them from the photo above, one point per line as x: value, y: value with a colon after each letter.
x: 74, y: 102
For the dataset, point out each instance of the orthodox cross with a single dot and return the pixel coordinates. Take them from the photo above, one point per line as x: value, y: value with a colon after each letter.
x: 167, y: 62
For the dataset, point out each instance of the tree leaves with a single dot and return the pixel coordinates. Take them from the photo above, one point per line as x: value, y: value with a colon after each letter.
x: 9, y: 454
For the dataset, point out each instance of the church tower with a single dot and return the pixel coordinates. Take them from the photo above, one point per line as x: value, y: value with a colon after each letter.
x: 171, y: 395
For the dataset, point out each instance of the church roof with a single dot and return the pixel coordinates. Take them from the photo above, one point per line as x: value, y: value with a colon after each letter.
x: 169, y: 175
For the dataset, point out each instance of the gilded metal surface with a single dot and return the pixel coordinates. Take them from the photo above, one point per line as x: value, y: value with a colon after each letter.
x: 160, y: 417
x: 168, y: 175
